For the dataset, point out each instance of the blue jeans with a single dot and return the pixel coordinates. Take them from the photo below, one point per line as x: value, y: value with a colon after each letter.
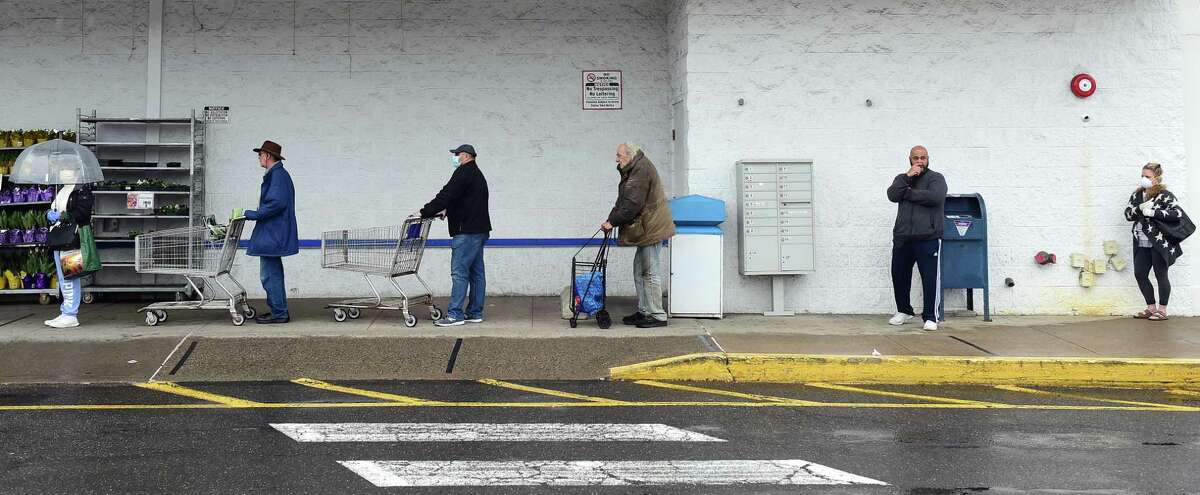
x: 466, y: 272
x: 270, y: 271
x: 71, y: 290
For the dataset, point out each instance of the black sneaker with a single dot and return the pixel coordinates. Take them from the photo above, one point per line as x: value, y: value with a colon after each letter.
x: 652, y: 323
x: 634, y: 319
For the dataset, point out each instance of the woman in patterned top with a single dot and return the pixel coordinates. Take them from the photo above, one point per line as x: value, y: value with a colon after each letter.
x: 1150, y: 206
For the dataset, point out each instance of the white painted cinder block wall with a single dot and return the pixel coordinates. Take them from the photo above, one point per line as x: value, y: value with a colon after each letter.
x: 366, y: 96
x: 983, y: 84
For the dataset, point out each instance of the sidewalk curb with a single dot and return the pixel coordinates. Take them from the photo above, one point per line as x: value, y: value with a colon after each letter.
x: 916, y: 370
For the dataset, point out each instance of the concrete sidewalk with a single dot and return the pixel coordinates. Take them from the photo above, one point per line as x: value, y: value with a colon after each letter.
x: 525, y: 338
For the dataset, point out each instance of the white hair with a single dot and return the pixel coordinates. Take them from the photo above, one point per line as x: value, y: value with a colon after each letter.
x: 633, y: 149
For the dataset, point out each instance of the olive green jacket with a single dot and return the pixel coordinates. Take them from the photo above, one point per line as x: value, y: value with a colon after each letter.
x: 641, y: 213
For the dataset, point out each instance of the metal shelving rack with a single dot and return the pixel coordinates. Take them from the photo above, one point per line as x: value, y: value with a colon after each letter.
x: 45, y: 296
x: 147, y: 139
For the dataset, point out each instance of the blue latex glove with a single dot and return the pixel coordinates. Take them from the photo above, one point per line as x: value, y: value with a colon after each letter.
x: 53, y: 215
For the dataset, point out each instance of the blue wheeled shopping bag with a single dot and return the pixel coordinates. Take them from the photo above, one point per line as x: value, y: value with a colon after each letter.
x: 589, y: 293
x: 588, y: 287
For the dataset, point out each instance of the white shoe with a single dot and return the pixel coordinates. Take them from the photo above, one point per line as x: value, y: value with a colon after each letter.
x: 900, y: 319
x: 53, y: 322
x: 63, y: 321
x: 930, y: 326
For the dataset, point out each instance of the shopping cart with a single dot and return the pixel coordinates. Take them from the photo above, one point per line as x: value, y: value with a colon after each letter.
x: 589, y: 283
x: 203, y: 255
x: 389, y: 252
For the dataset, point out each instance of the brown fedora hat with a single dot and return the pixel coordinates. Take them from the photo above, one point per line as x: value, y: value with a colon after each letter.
x: 271, y: 147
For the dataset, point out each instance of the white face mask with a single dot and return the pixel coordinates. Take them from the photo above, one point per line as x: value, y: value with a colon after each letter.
x: 1146, y: 183
x: 454, y: 161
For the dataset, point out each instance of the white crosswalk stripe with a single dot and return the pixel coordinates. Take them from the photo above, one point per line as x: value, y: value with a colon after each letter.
x: 435, y: 473
x: 600, y: 473
x: 487, y: 432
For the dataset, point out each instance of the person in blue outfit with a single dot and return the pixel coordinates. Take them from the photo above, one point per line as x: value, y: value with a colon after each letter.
x: 274, y: 233
x: 464, y: 201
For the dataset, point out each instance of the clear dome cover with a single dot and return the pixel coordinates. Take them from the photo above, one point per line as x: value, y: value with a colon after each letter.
x: 57, y: 162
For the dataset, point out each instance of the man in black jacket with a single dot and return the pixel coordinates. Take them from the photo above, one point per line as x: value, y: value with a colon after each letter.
x: 464, y: 201
x: 917, y: 237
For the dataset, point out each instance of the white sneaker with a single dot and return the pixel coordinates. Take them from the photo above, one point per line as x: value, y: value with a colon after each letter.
x: 900, y: 319
x: 63, y: 321
x: 930, y: 326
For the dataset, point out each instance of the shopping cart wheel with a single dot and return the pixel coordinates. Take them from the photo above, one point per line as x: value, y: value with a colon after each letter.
x: 249, y: 312
x: 151, y: 318
x: 162, y: 315
x: 435, y: 313
x: 410, y: 321
x: 603, y: 319
x: 44, y: 299
x: 339, y: 315
x: 353, y: 313
x: 89, y: 298
x: 574, y: 323
x: 238, y: 319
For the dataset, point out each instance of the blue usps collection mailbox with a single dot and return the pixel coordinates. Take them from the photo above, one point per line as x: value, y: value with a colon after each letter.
x: 964, y: 249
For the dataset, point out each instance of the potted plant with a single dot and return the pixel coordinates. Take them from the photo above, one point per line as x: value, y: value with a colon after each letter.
x: 46, y: 195
x: 45, y: 269
x: 41, y: 228
x: 28, y: 270
x: 28, y: 222
x: 4, y: 226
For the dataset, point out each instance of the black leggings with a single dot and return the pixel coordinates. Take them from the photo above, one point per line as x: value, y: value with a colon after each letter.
x: 1143, y: 259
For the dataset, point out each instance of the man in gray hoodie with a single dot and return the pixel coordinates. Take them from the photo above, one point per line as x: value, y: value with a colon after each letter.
x: 917, y: 237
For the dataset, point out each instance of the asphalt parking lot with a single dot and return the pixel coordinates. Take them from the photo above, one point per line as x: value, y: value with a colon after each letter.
x: 488, y: 436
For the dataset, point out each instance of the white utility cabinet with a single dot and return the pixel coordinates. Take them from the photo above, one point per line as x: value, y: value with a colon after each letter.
x: 696, y: 275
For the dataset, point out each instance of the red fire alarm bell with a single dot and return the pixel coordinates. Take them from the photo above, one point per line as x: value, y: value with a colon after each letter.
x: 1083, y: 85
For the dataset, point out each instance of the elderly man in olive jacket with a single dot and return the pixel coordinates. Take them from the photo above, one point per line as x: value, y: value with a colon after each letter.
x: 644, y: 220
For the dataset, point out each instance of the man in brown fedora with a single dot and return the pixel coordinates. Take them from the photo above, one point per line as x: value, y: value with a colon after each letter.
x: 274, y: 233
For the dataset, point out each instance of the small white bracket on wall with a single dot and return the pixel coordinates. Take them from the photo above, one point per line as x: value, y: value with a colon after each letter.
x: 777, y: 286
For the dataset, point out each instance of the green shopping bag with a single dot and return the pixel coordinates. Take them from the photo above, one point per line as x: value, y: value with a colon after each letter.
x: 87, y: 245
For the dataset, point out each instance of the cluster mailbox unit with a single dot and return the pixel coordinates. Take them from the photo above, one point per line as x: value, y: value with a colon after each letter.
x: 775, y: 216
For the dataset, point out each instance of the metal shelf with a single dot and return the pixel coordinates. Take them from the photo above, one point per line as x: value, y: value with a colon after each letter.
x: 13, y: 148
x: 146, y: 169
x: 28, y: 291
x: 135, y: 288
x: 34, y: 203
x: 21, y: 246
x: 140, y: 145
x: 182, y: 140
x: 141, y: 192
x: 95, y: 120
x: 185, y: 217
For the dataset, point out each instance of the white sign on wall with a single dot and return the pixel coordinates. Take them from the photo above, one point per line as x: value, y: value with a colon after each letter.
x: 602, y: 90
x: 216, y: 115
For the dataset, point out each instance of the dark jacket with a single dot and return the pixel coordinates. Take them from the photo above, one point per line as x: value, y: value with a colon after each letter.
x: 641, y: 212
x: 1166, y: 210
x: 79, y: 210
x: 465, y: 200
x: 275, y: 219
x: 922, y: 212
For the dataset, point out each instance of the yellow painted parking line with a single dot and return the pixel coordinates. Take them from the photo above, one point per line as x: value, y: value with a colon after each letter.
x: 1067, y: 395
x: 177, y: 389
x: 539, y: 405
x: 902, y: 395
x: 546, y: 391
x: 1180, y: 391
x: 727, y: 393
x: 318, y: 384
